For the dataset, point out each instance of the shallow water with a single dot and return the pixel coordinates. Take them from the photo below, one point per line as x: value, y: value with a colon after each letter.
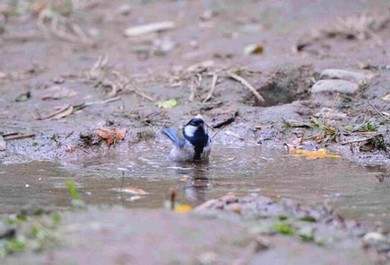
x: 352, y: 189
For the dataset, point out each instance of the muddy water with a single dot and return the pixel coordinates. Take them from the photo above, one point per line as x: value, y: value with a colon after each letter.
x: 353, y: 190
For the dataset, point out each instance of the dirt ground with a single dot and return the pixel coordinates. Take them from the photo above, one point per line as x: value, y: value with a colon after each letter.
x: 299, y: 40
x: 67, y: 71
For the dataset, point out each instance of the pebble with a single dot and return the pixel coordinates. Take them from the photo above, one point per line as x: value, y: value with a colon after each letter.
x: 335, y: 85
x: 3, y: 144
x: 124, y: 10
x: 343, y: 75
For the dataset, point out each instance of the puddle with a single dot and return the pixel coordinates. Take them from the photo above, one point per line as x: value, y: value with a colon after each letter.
x: 351, y: 189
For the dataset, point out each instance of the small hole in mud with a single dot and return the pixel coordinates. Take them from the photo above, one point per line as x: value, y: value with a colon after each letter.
x: 283, y: 86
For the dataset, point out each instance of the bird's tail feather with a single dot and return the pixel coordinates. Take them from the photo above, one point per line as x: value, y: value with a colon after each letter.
x: 173, y: 136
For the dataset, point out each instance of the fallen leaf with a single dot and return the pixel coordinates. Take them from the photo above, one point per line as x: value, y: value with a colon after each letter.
x: 149, y: 28
x: 23, y: 97
x: 183, y: 208
x: 111, y: 136
x: 184, y: 178
x: 312, y: 154
x: 58, y: 92
x: 134, y: 191
x: 253, y: 49
x: 168, y: 104
x: 387, y: 97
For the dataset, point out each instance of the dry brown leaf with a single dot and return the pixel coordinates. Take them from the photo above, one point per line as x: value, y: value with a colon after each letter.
x: 134, y: 191
x: 111, y: 136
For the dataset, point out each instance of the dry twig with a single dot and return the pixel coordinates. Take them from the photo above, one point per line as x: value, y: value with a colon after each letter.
x: 247, y: 85
x: 18, y: 137
x: 213, y: 84
x: 378, y: 111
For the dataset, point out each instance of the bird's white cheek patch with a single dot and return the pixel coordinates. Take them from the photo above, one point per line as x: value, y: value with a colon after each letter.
x: 190, y: 130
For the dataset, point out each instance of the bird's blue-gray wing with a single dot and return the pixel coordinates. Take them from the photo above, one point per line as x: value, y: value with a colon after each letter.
x: 174, y: 136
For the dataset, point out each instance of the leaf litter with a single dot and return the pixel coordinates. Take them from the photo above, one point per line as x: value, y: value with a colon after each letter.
x: 111, y: 136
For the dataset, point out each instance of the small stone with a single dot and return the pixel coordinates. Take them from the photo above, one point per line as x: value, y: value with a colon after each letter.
x: 343, y: 75
x: 208, y: 258
x: 340, y: 86
x: 94, y: 32
x: 376, y: 240
x: 6, y: 231
x: 124, y: 10
x: 3, y: 144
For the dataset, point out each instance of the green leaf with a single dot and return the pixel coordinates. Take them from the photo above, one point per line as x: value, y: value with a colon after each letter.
x: 74, y: 194
x: 168, y: 104
x: 308, y: 218
x: 14, y: 245
x: 56, y: 218
x: 23, y: 97
x: 284, y: 228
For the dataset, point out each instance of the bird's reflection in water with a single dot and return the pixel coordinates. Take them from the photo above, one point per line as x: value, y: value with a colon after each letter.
x: 195, y: 181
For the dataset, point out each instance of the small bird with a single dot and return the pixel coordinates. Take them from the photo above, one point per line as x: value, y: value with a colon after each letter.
x: 191, y: 143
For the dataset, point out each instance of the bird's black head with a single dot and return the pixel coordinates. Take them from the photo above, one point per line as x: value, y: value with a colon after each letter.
x: 197, y: 122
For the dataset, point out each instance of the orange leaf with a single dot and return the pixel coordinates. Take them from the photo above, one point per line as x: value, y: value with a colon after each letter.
x: 103, y: 133
x: 183, y: 208
x: 311, y: 155
x: 111, y: 136
x: 120, y: 134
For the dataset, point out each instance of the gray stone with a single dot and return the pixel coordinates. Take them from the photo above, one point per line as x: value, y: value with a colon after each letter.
x: 335, y: 85
x: 3, y: 144
x: 343, y: 75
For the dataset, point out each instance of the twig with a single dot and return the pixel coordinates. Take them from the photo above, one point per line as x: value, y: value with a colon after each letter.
x: 194, y: 85
x: 215, y: 134
x: 361, y: 139
x: 109, y: 100
x: 17, y: 137
x: 139, y: 93
x: 213, y: 84
x: 355, y: 141
x: 80, y: 33
x: 8, y: 134
x: 378, y: 111
x: 247, y: 85
x: 226, y: 122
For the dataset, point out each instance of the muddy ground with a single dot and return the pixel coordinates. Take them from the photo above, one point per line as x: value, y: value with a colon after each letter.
x: 67, y: 71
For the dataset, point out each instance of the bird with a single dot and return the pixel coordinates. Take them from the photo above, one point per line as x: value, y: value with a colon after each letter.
x: 191, y: 143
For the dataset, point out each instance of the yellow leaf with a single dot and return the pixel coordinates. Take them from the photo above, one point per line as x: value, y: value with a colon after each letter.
x: 253, y: 49
x: 168, y: 104
x: 183, y: 208
x: 311, y: 155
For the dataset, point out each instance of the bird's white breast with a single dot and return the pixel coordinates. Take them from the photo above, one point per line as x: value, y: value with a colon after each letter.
x: 190, y: 130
